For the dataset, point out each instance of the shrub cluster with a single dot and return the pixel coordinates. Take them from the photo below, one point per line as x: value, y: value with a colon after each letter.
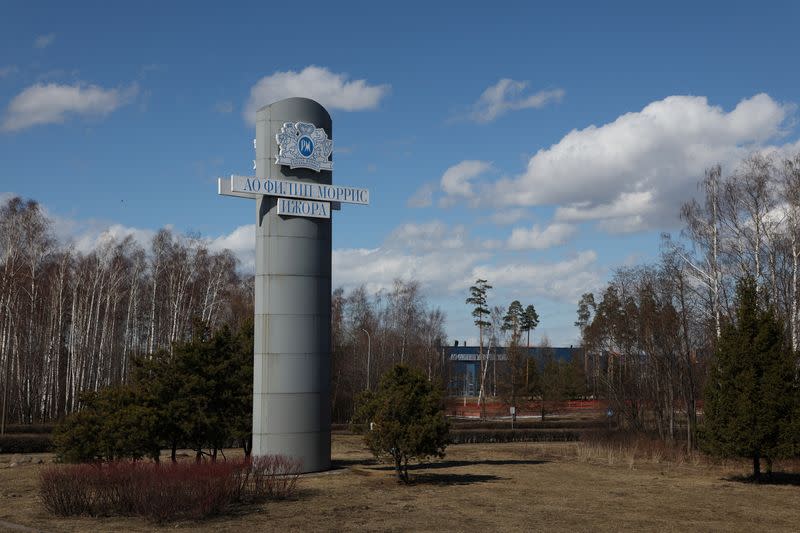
x: 269, y: 477
x: 30, y: 428
x: 197, y: 396
x: 26, y: 443
x: 165, y: 492
x: 476, y: 436
x: 552, y: 423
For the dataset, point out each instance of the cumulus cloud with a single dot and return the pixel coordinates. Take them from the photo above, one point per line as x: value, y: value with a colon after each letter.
x: 241, y: 241
x: 89, y: 234
x: 53, y: 103
x: 437, y: 255
x: 561, y: 281
x: 634, y: 172
x: 433, y: 235
x: 456, y: 182
x: 86, y: 235
x: 43, y: 41
x: 537, y: 238
x: 626, y: 205
x: 89, y: 240
x: 332, y: 90
x: 446, y: 260
x: 423, y: 197
x: 508, y: 95
x: 376, y: 268
x: 504, y: 217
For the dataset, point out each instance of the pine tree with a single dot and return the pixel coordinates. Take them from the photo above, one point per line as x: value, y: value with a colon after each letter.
x: 750, y: 392
x: 530, y: 319
x: 513, y: 321
x: 480, y: 309
x: 404, y: 419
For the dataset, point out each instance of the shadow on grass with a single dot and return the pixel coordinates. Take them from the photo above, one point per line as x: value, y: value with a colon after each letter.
x: 453, y: 464
x: 344, y: 463
x: 776, y: 478
x: 452, y: 479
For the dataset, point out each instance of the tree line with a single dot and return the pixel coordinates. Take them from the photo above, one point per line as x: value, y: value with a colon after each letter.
x: 373, y: 332
x: 72, y: 321
x: 654, y: 331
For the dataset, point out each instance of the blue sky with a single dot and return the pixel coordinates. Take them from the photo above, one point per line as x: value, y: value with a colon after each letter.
x: 538, y: 146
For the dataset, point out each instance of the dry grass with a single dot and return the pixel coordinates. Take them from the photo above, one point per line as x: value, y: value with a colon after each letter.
x: 619, y: 448
x: 481, y: 487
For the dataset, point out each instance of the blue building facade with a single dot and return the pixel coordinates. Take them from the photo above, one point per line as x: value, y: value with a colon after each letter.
x: 464, y: 364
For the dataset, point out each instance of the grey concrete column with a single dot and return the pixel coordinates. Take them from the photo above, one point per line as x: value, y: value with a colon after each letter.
x: 291, y: 375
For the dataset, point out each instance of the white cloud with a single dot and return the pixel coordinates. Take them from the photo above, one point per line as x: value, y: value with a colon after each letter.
x: 446, y: 261
x: 223, y: 107
x: 507, y: 95
x: 423, y: 197
x: 7, y: 71
x: 89, y: 234
x: 53, y: 103
x: 89, y: 241
x: 332, y: 90
x: 561, y: 281
x: 434, y: 235
x: 629, y: 224
x: 378, y: 267
x: 456, y: 180
x: 633, y: 173
x: 504, y: 217
x: 242, y: 242
x: 628, y: 203
x: 439, y: 256
x: 43, y: 41
x: 536, y: 238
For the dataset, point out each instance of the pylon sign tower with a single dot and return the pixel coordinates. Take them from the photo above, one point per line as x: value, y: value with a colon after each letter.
x: 294, y: 193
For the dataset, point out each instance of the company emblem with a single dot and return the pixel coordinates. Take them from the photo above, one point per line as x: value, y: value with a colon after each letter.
x: 303, y: 145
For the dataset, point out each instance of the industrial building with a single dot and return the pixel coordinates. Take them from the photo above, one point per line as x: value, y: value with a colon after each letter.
x: 464, y: 364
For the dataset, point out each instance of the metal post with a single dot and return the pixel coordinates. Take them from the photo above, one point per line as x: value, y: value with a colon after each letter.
x: 369, y: 353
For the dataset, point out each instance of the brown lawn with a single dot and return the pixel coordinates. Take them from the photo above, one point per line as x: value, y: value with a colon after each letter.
x: 482, y: 487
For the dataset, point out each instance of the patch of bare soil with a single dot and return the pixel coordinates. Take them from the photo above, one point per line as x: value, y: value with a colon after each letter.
x: 481, y: 487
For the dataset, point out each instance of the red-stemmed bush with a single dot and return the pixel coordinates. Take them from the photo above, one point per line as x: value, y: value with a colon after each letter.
x: 165, y: 492
x: 274, y: 476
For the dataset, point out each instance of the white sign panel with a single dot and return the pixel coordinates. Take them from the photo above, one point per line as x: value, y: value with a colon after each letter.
x: 299, y: 189
x: 224, y: 188
x: 303, y: 208
x: 303, y: 145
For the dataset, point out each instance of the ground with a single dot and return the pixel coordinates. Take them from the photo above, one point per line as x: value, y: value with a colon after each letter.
x: 481, y: 487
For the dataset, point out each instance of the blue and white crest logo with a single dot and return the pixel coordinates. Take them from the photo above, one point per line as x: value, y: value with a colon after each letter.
x: 303, y: 145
